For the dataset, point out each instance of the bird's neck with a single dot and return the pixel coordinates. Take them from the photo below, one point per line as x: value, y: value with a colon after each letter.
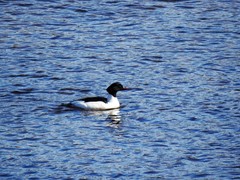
x: 111, y: 98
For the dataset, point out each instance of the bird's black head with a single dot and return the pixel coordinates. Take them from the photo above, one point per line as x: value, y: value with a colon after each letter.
x: 114, y: 88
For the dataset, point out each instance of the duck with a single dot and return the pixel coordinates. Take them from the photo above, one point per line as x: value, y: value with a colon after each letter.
x: 100, y: 103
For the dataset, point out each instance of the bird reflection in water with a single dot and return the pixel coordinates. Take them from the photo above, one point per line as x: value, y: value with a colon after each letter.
x: 113, y: 116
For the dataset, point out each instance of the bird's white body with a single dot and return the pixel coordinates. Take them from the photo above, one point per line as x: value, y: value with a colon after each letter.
x: 112, y: 103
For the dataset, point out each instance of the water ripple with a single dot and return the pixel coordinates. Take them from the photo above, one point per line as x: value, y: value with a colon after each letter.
x: 179, y: 122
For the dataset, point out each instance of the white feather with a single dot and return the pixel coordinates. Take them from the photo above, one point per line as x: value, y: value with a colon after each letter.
x: 112, y: 103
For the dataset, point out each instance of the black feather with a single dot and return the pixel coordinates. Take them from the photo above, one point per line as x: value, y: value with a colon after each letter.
x: 92, y: 99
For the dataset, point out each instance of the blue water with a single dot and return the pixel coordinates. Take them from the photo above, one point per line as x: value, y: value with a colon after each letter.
x: 183, y: 121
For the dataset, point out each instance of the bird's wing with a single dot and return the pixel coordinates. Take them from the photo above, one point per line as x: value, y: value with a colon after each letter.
x: 92, y: 99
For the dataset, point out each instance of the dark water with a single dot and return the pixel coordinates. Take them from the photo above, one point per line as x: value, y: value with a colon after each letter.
x: 183, y: 124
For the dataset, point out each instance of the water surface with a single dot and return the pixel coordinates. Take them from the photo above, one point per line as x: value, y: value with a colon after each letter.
x: 182, y: 122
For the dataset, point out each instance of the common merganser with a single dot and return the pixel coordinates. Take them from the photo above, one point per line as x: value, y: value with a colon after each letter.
x: 100, y: 103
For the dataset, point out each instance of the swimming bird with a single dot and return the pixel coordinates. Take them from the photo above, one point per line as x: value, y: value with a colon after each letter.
x: 100, y: 103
